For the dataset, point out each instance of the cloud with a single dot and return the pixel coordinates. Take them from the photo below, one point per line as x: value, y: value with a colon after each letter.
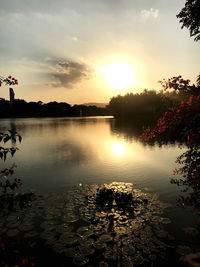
x: 151, y: 13
x: 67, y: 73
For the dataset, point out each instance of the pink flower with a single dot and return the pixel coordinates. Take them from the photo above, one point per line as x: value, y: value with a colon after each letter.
x: 2, y: 245
x: 25, y: 261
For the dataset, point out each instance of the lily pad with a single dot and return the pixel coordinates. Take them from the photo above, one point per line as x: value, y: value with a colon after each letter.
x: 59, y: 247
x: 87, y: 242
x: 105, y: 238
x: 103, y: 264
x: 12, y: 232
x: 138, y: 260
x: 80, y: 260
x: 31, y: 234
x: 191, y: 231
x: 152, y: 257
x: 47, y: 234
x: 108, y: 254
x: 71, y: 252
x: 99, y: 245
x: 70, y: 218
x: 69, y: 239
x: 84, y: 231
x: 64, y: 228
x: 129, y: 250
x: 86, y: 250
x: 165, y: 220
x: 13, y: 224
x: 183, y: 250
x: 26, y: 227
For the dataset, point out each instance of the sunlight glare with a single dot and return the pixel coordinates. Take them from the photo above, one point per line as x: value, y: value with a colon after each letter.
x: 118, y: 75
x: 118, y: 148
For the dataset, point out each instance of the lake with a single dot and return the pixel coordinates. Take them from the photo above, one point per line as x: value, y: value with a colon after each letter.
x: 58, y: 153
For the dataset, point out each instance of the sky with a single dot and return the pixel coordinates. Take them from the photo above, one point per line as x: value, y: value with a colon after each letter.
x: 84, y: 51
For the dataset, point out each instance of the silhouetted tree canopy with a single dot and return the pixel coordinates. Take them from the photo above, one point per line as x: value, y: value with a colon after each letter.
x: 21, y: 108
x: 190, y: 18
x: 142, y: 109
x: 198, y: 80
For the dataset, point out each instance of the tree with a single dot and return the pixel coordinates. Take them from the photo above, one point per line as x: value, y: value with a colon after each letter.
x: 190, y: 18
x: 198, y: 80
x: 8, y: 199
x: 182, y: 123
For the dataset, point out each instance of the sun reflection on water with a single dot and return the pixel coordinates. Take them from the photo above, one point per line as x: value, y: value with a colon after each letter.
x: 118, y: 148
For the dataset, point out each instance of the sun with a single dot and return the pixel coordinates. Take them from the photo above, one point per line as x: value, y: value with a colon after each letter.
x: 118, y: 75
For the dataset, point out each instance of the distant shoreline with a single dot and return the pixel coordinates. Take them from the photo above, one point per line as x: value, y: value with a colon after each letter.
x: 70, y: 117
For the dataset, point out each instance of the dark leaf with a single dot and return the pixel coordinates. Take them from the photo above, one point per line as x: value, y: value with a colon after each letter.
x: 5, y: 154
x: 13, y: 139
x: 12, y: 151
x: 20, y: 138
x: 6, y: 138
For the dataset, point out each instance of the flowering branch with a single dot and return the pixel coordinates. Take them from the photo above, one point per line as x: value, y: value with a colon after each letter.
x: 8, y: 81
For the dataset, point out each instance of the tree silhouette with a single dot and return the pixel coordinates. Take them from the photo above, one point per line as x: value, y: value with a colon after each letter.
x: 198, y: 80
x: 190, y: 18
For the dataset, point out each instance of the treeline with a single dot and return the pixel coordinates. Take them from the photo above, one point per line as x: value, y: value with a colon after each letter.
x: 21, y: 108
x: 143, y: 108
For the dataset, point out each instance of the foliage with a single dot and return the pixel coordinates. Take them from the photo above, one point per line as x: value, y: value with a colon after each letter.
x: 182, y: 122
x: 5, y: 137
x: 145, y: 108
x: 6, y: 184
x: 180, y: 85
x: 9, y: 199
x: 190, y: 18
x: 8, y: 81
x: 198, y: 80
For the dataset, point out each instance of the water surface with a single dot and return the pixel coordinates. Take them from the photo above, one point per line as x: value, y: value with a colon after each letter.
x: 57, y: 153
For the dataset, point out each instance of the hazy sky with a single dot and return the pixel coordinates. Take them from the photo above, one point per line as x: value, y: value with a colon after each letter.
x: 62, y: 50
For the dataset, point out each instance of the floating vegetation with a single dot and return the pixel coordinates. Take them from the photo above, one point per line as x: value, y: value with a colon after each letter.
x: 111, y: 225
x: 183, y: 250
x: 190, y: 231
x: 12, y: 232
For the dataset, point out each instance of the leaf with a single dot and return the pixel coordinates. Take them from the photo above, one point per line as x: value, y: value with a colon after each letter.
x: 13, y: 139
x: 5, y: 154
x: 20, y: 138
x: 12, y: 151
x: 11, y: 171
x: 6, y: 138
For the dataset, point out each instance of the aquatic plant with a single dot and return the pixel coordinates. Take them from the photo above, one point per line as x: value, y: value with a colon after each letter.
x: 80, y: 230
